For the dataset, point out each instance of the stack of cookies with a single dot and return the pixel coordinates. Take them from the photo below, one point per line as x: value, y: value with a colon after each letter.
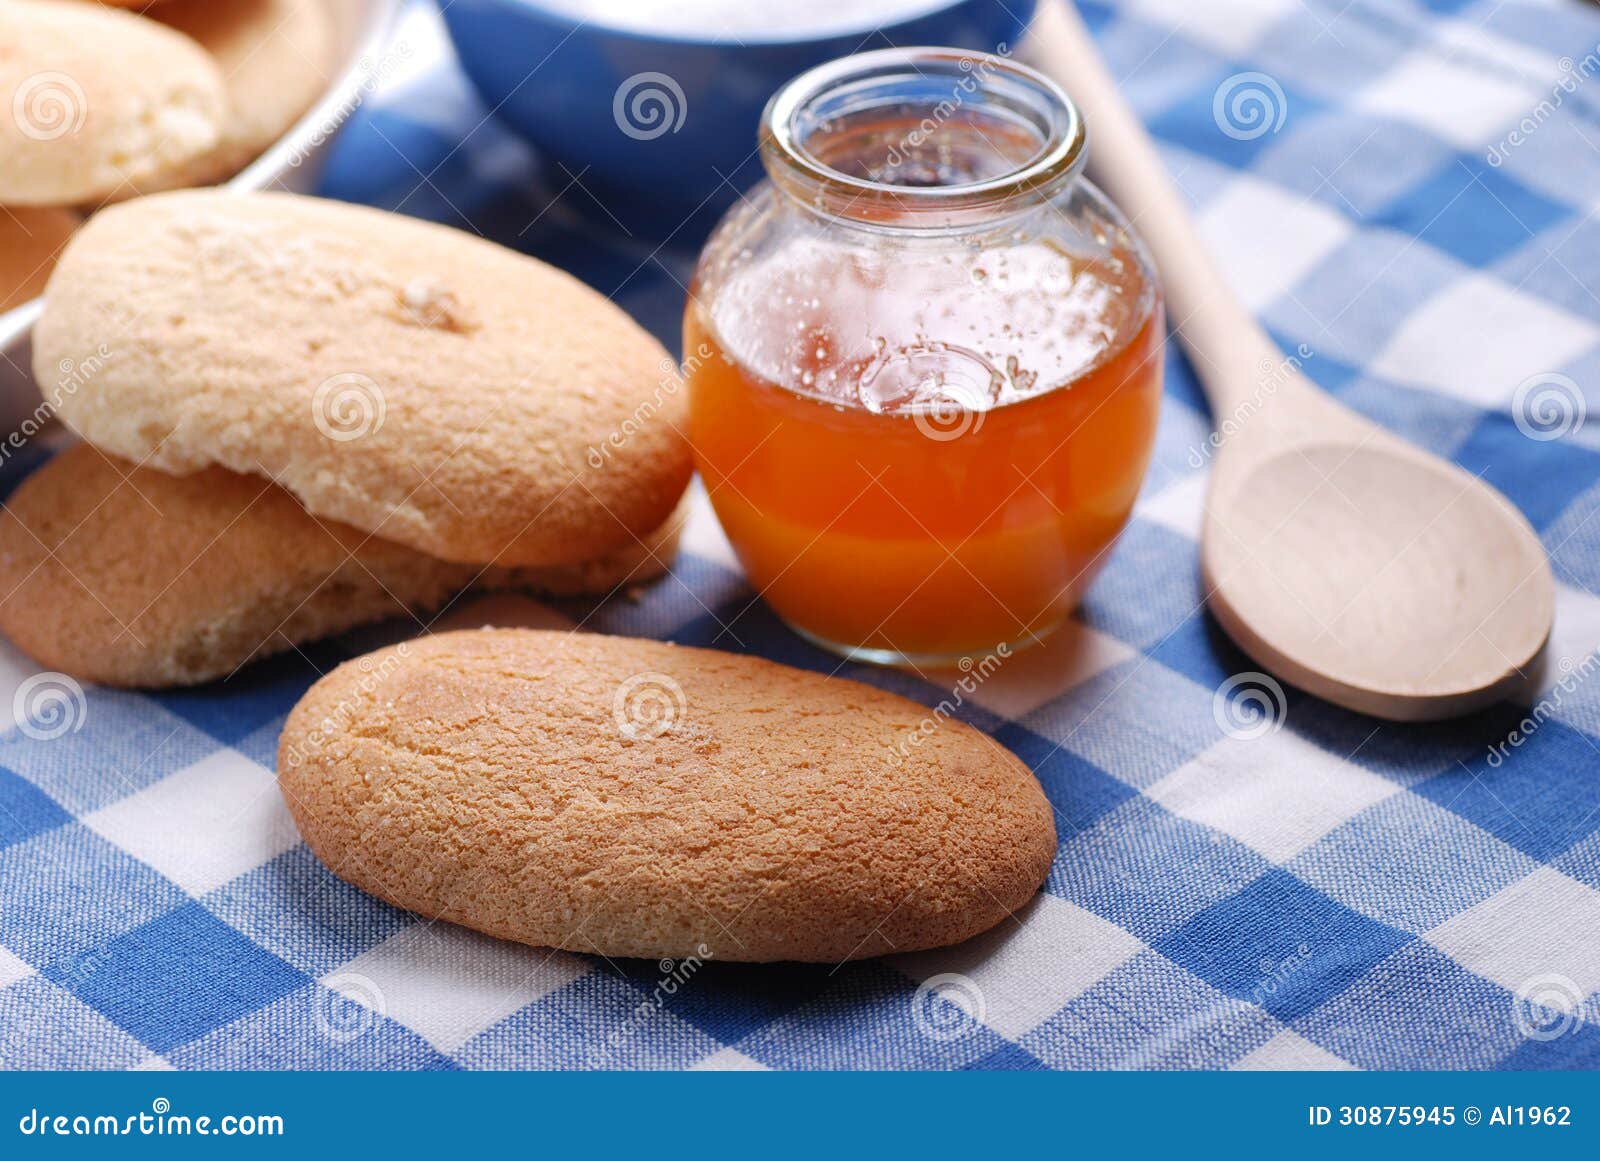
x: 299, y: 416
x: 101, y: 104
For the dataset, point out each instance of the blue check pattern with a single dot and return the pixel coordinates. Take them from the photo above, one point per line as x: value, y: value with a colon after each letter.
x: 1334, y: 892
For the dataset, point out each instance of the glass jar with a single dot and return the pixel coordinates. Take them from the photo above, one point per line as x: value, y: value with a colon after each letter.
x: 924, y: 359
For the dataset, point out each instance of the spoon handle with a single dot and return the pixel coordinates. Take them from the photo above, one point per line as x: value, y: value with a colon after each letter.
x: 1231, y: 354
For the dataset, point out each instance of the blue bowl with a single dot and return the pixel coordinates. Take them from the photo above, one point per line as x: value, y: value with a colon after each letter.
x: 661, y: 129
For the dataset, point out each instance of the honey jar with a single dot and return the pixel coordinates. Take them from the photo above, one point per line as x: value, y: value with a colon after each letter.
x: 924, y: 359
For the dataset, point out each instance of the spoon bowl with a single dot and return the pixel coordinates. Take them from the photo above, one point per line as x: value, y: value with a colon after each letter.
x: 1377, y: 577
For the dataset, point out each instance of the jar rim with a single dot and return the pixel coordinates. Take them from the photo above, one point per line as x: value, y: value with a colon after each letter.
x: 1060, y: 156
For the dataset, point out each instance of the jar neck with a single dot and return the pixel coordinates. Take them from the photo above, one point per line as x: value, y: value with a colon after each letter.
x: 922, y: 139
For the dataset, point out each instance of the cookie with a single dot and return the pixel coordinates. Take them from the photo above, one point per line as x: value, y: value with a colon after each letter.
x: 30, y: 240
x: 129, y: 576
x: 99, y: 100
x: 633, y: 798
x: 415, y: 381
x: 276, y: 59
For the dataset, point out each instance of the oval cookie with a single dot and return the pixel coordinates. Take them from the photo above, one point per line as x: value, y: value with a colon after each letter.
x: 98, y: 101
x: 412, y: 380
x: 125, y: 575
x: 276, y: 59
x: 633, y: 798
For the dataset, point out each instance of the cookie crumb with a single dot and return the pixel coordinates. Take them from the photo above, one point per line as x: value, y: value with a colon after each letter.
x: 434, y: 307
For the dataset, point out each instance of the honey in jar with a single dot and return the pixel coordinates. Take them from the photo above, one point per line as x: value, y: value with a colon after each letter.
x: 924, y: 360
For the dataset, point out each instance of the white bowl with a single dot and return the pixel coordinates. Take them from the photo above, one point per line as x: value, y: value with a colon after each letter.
x: 361, y: 31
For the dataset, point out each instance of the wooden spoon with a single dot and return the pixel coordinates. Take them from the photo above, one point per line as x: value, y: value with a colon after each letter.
x: 1337, y: 555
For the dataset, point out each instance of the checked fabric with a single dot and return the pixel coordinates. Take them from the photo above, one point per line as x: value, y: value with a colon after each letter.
x: 1304, y: 890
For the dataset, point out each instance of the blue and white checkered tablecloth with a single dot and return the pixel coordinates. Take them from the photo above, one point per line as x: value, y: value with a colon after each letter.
x: 1335, y: 892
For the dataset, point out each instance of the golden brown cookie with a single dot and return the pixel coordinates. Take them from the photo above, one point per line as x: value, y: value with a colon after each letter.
x: 276, y: 59
x: 129, y: 576
x: 30, y: 240
x: 633, y: 798
x: 96, y: 100
x: 413, y: 380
